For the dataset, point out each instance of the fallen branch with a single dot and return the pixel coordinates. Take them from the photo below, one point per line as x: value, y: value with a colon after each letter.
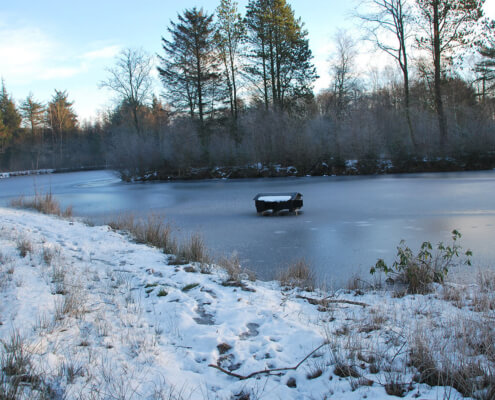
x: 267, y: 371
x: 326, y: 300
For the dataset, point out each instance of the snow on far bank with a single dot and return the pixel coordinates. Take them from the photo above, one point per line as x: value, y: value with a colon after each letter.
x: 104, y: 317
x: 4, y: 175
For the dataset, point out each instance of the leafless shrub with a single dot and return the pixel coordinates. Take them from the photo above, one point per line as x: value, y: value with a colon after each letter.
x: 49, y: 254
x: 298, y: 274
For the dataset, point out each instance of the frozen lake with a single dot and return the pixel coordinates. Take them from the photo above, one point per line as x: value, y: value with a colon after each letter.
x: 346, y: 223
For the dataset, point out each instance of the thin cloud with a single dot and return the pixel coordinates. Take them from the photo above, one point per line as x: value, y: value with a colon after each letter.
x: 101, y: 54
x: 30, y: 55
x: 24, y: 51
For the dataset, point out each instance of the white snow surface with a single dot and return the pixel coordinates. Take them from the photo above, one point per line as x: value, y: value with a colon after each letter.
x: 274, y: 198
x: 131, y: 331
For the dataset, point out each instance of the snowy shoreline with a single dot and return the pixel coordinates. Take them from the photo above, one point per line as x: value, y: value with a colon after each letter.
x: 101, y: 316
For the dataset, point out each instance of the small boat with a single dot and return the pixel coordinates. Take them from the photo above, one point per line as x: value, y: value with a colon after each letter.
x: 276, y: 202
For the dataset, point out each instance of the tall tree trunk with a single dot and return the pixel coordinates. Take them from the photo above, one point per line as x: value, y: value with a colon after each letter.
x: 265, y: 80
x: 135, y: 116
x: 234, y: 84
x: 407, y: 97
x: 272, y: 72
x: 442, y: 123
x: 199, y: 88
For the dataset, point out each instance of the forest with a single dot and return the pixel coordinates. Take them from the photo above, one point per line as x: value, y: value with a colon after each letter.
x: 236, y: 98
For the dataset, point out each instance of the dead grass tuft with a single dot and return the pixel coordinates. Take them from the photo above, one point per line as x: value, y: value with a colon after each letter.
x: 24, y: 246
x: 44, y: 203
x: 232, y: 267
x: 194, y: 250
x: 152, y: 231
x: 298, y: 274
x: 459, y: 367
x: 346, y: 371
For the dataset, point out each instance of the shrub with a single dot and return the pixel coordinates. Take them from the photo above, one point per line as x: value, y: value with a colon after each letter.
x: 419, y: 271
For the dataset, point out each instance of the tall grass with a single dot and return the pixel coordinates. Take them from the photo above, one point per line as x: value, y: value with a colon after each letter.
x: 298, y: 274
x: 44, y: 203
x: 152, y: 231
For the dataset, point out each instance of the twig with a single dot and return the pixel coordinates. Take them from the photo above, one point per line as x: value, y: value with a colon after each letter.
x: 326, y: 301
x: 267, y: 371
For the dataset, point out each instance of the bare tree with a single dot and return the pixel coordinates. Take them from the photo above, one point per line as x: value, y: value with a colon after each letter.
x: 446, y: 24
x: 391, y: 18
x: 342, y: 69
x: 131, y: 80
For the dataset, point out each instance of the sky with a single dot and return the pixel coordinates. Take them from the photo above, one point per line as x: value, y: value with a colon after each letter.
x: 54, y: 44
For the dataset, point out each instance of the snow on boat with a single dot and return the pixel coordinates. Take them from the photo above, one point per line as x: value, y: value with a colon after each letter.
x: 276, y: 202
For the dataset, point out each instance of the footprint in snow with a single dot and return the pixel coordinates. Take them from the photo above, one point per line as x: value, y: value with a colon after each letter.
x: 252, y: 331
x: 204, y: 318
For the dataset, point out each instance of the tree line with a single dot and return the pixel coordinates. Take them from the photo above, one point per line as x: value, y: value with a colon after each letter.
x: 238, y: 90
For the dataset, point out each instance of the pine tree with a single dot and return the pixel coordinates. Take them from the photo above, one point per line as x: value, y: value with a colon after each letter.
x: 486, y: 69
x: 189, y: 69
x: 5, y: 136
x: 281, y: 55
x: 10, y: 116
x: 230, y: 36
x: 61, y: 116
x: 33, y: 113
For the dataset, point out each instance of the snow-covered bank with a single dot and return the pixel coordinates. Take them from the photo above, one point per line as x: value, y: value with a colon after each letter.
x: 99, y: 316
x: 4, y: 175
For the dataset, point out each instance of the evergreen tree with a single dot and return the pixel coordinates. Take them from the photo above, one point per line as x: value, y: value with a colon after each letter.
x: 61, y: 116
x: 486, y: 69
x: 230, y: 36
x: 189, y: 69
x: 33, y: 113
x: 5, y: 136
x: 281, y: 55
x: 10, y: 116
x: 446, y: 24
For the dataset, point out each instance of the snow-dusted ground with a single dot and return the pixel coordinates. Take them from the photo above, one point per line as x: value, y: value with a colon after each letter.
x: 102, y: 317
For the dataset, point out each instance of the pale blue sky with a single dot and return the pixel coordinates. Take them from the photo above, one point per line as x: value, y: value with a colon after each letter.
x: 66, y: 45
